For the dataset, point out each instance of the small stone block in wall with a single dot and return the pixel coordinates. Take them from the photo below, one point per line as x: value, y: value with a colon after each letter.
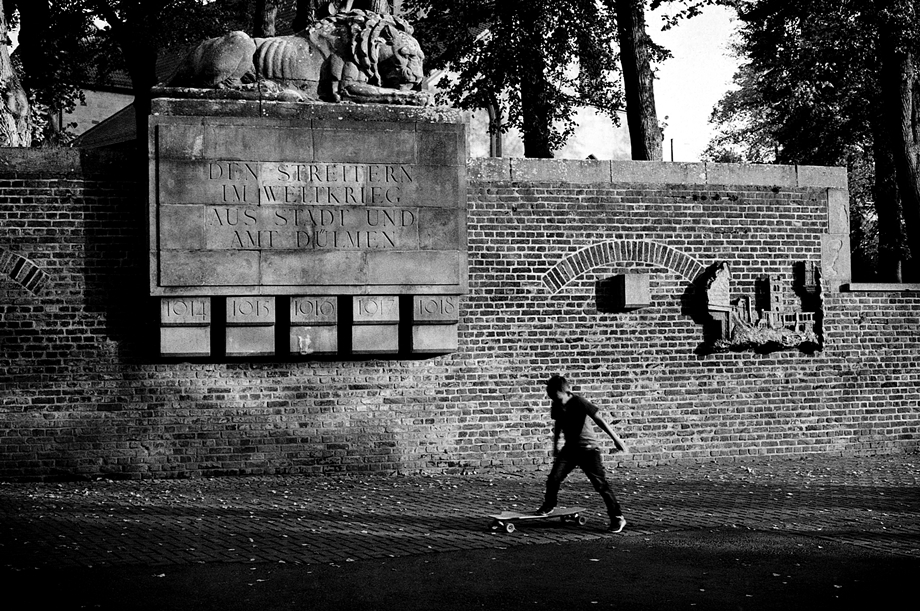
x: 375, y: 339
x: 434, y: 339
x: 185, y: 341
x: 250, y: 341
x: 321, y: 339
x: 623, y: 293
x: 835, y: 260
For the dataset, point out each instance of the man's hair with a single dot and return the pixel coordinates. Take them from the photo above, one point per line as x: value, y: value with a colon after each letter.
x: 556, y: 383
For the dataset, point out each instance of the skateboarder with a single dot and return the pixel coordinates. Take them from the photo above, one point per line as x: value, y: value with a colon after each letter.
x: 572, y: 416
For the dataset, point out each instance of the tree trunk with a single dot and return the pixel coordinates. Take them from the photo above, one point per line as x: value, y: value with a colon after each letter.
x: 305, y: 15
x: 34, y: 46
x: 887, y: 204
x: 140, y: 55
x: 536, y: 113
x: 264, y: 21
x: 638, y: 81
x: 900, y: 94
x: 495, y: 129
x: 15, y: 129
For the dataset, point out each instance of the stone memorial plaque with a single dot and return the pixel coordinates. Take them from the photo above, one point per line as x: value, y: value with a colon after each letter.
x: 185, y: 326
x: 435, y: 328
x: 319, y: 204
x: 250, y: 326
x: 251, y: 200
x: 314, y: 327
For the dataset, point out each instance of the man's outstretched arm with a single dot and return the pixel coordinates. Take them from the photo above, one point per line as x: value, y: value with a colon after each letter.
x: 620, y: 446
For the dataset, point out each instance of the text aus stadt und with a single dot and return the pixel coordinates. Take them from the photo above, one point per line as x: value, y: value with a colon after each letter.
x: 310, y: 206
x: 240, y: 182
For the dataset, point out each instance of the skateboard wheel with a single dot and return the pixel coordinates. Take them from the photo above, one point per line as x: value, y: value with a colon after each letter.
x: 509, y: 527
x: 582, y: 520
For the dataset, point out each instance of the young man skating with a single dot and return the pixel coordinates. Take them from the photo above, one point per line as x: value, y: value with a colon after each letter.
x: 572, y: 416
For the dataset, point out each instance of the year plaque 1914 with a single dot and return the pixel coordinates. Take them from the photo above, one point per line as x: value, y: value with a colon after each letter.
x: 306, y: 229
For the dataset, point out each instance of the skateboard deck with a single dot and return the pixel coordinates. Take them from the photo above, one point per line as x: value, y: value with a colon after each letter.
x: 507, y: 519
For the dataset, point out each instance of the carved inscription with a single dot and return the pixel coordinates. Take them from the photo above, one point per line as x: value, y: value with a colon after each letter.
x: 310, y: 228
x: 238, y: 182
x: 436, y: 308
x: 250, y: 310
x: 314, y: 310
x: 185, y: 311
x: 375, y: 309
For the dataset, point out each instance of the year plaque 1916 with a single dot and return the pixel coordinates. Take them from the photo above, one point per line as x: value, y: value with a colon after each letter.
x: 306, y: 229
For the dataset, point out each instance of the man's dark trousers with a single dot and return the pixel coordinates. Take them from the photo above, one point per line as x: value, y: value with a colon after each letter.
x: 589, y: 460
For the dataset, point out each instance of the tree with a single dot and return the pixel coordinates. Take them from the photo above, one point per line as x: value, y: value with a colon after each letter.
x: 899, y: 52
x: 140, y: 28
x: 63, y: 46
x: 311, y: 11
x: 264, y: 22
x: 539, y: 60
x: 57, y: 56
x: 636, y: 52
x: 830, y: 82
x: 14, y: 103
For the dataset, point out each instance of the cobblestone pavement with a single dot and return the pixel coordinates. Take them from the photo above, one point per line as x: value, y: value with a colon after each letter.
x: 870, y: 502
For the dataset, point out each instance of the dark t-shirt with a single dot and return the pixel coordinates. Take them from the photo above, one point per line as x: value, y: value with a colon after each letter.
x: 573, y: 416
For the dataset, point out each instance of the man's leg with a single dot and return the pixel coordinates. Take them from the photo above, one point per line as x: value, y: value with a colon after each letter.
x: 590, y: 462
x: 562, y: 466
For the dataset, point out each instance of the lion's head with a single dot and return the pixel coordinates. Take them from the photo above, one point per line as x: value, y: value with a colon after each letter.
x: 383, y: 48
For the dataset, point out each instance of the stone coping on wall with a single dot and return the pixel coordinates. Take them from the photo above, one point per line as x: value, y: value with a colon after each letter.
x: 882, y: 287
x: 296, y: 111
x: 63, y: 162
x: 835, y: 241
x: 594, y: 171
x: 492, y: 169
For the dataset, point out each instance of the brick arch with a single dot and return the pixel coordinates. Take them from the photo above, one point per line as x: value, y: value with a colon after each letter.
x: 21, y: 271
x: 620, y: 251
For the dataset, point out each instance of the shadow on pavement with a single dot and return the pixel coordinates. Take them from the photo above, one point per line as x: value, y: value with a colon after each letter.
x: 728, y: 568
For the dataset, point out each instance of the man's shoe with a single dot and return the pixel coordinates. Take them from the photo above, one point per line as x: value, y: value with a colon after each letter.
x: 617, y: 524
x: 542, y: 511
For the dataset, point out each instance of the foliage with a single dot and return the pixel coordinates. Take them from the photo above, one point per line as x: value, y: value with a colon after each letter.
x: 810, y: 91
x: 565, y: 48
x: 67, y: 44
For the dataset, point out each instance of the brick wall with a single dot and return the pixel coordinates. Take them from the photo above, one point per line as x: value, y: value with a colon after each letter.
x: 82, y: 394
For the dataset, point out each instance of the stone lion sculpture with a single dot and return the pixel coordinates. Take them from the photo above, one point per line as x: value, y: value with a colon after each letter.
x: 355, y: 55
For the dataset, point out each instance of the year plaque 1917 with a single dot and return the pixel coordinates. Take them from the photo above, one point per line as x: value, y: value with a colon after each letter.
x: 306, y: 229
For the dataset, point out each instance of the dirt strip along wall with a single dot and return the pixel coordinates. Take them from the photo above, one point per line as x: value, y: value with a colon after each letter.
x: 82, y: 392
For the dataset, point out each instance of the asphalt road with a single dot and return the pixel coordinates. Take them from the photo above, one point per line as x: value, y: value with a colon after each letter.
x: 726, y: 568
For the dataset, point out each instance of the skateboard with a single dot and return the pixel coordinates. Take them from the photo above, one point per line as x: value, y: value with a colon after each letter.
x: 507, y: 519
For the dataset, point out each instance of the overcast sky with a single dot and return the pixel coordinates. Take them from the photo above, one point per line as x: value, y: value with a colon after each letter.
x: 691, y: 83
